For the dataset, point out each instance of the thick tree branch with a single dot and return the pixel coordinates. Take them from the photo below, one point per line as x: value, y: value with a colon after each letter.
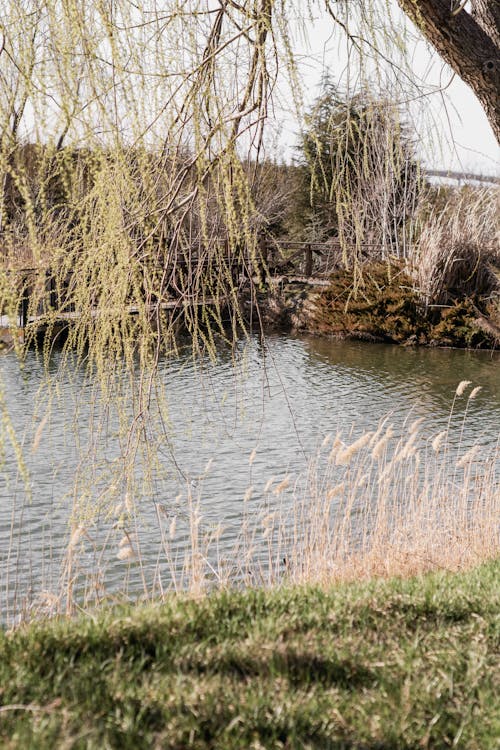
x: 487, y: 14
x: 466, y: 46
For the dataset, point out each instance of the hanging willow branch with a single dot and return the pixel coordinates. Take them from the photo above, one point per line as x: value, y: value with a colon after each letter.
x: 132, y: 207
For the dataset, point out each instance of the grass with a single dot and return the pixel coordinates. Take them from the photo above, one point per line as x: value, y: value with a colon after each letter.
x: 386, y: 664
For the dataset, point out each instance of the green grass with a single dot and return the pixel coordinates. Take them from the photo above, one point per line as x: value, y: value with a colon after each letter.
x: 390, y: 664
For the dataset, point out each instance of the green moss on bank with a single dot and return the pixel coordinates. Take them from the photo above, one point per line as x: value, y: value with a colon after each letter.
x: 390, y: 664
x: 382, y: 305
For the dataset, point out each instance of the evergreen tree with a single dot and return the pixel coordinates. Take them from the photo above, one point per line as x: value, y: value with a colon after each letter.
x: 361, y: 168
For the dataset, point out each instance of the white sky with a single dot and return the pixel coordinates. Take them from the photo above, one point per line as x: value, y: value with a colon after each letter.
x: 454, y: 131
x: 451, y: 126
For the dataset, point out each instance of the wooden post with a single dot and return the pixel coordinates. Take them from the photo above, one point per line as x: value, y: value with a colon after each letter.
x: 263, y: 258
x: 50, y: 286
x: 309, y: 261
x: 23, y: 318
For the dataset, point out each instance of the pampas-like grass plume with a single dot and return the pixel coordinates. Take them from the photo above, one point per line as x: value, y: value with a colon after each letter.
x: 126, y: 553
x: 269, y: 484
x: 345, y: 456
x: 39, y: 432
x: 172, y: 528
x: 462, y: 386
x: 76, y: 535
x: 281, y: 486
x: 335, y: 491
x: 326, y: 440
x: 338, y: 445
x: 380, y: 445
x: 438, y: 440
x: 468, y: 457
x: 408, y: 449
x: 415, y: 425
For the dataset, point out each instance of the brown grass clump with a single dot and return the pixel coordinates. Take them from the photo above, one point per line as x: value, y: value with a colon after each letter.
x: 401, y: 506
x: 458, y: 253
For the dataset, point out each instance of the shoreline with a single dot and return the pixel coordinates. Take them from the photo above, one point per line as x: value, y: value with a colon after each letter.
x: 380, y: 305
x: 383, y: 309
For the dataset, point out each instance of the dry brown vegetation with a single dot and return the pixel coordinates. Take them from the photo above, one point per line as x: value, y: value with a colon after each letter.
x: 458, y: 252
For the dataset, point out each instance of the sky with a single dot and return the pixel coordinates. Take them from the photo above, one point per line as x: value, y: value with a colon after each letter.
x: 450, y: 126
x: 454, y: 133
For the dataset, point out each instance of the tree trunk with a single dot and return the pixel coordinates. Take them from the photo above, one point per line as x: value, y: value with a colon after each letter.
x: 468, y: 43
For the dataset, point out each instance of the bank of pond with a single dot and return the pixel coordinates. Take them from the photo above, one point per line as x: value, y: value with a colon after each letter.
x: 379, y: 303
x: 374, y: 301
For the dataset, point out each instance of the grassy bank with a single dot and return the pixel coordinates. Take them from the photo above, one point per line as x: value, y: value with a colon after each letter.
x: 390, y: 664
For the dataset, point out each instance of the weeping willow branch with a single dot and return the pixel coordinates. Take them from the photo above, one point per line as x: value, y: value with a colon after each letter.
x: 132, y: 203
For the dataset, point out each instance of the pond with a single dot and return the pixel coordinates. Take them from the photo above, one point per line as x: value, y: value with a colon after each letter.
x: 255, y: 419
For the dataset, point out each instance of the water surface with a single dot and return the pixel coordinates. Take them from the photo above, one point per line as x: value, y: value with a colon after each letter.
x: 257, y: 414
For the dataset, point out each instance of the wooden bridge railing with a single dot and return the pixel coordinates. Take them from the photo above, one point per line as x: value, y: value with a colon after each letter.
x: 283, y: 259
x: 317, y: 259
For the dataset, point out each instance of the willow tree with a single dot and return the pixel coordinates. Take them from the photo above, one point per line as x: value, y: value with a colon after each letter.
x: 359, y: 159
x: 127, y: 135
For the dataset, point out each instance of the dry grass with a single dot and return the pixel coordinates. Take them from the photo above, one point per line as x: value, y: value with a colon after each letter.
x: 383, y: 503
x: 459, y: 249
x: 399, y: 506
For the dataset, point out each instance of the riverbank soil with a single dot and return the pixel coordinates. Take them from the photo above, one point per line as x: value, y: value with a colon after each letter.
x: 380, y: 303
x: 387, y: 664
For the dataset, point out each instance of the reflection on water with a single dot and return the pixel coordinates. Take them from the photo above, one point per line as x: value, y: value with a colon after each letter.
x: 279, y: 400
x: 391, y: 378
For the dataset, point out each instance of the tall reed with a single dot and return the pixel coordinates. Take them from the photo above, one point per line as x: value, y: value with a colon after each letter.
x: 386, y: 502
x: 458, y: 252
